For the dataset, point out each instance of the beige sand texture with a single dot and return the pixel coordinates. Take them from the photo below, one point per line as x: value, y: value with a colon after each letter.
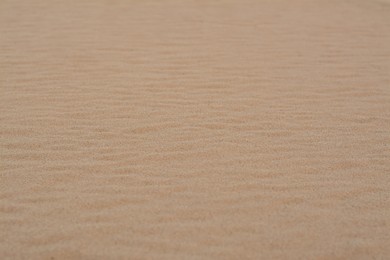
x: 194, y: 129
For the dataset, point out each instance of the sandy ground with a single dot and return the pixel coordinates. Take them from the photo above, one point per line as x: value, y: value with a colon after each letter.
x: 195, y: 129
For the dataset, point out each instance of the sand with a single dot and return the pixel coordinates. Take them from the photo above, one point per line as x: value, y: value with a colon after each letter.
x: 194, y: 129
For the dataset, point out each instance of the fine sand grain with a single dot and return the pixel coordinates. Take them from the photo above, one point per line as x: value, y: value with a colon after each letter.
x: 194, y: 129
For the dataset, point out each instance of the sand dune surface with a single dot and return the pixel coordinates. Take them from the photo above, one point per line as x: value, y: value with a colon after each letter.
x: 194, y: 129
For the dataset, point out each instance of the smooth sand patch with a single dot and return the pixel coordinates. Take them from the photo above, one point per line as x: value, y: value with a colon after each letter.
x: 194, y: 129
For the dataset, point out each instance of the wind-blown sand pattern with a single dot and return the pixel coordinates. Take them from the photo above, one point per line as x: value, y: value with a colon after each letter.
x: 194, y: 129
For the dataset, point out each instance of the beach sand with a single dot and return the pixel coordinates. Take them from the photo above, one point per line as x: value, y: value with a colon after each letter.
x: 194, y: 129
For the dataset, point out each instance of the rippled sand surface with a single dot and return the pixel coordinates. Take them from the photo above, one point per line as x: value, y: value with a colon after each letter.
x: 194, y: 129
